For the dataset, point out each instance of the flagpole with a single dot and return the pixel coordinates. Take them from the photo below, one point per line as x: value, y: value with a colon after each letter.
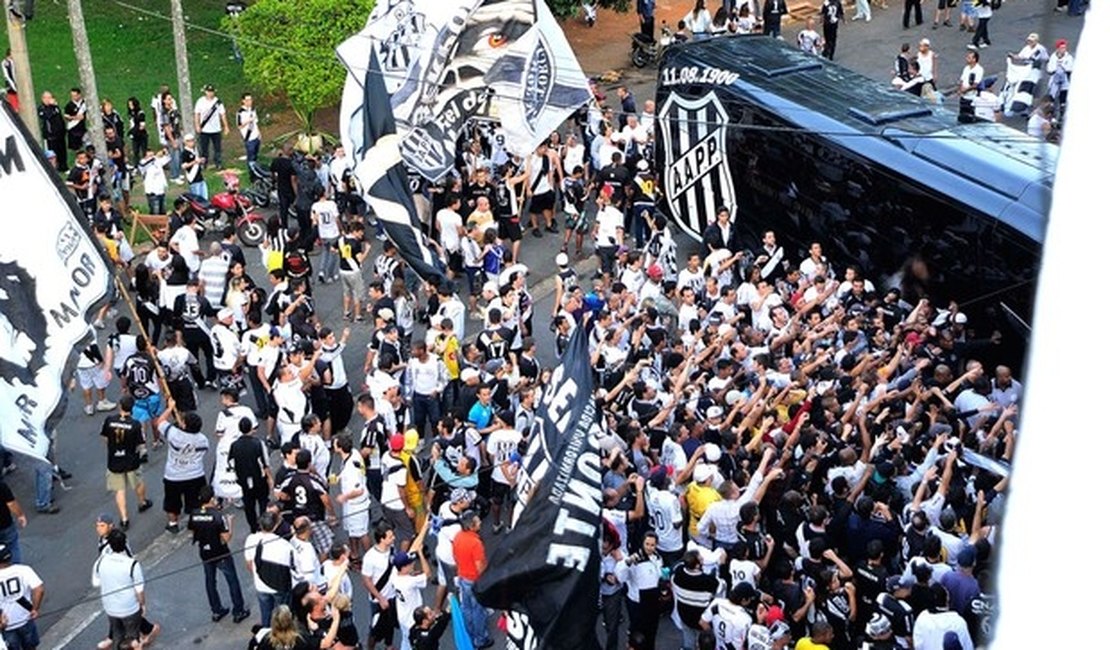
x: 122, y: 288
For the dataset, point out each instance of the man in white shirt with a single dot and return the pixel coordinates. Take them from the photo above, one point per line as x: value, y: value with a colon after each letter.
x: 428, y: 378
x: 728, y: 618
x: 325, y: 215
x: 306, y: 564
x: 608, y: 234
x: 936, y: 627
x: 185, y: 243
x: 353, y: 494
x: 247, y: 121
x: 269, y: 560
x: 120, y: 580
x: 210, y: 122
x: 20, y: 600
x: 449, y: 224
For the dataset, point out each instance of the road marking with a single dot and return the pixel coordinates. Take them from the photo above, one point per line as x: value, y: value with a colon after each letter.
x: 78, y: 618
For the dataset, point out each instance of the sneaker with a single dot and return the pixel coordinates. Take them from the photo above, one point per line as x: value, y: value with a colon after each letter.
x: 62, y: 474
x: 241, y: 616
x: 963, y: 27
x: 553, y: 229
x: 173, y: 527
x: 104, y: 645
x: 984, y: 45
x: 98, y: 324
x: 536, y: 232
x: 948, y: 23
x: 146, y: 505
x: 124, y: 524
x: 935, y: 25
x: 89, y: 409
x: 219, y: 616
x: 105, y: 405
x: 49, y: 510
x: 972, y: 46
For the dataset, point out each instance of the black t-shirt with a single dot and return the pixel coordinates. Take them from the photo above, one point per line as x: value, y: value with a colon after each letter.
x: 7, y: 497
x: 617, y: 177
x: 304, y: 490
x: 247, y: 457
x: 124, y: 435
x: 207, y: 526
x: 283, y: 170
x: 494, y: 343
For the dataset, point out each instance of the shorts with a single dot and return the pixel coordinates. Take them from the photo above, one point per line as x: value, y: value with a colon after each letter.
x: 445, y: 574
x: 542, y: 202
x: 125, y: 629
x: 356, y: 521
x: 382, y: 622
x: 967, y: 9
x: 147, y: 408
x: 353, y: 285
x: 90, y: 378
x: 608, y: 256
x: 579, y: 223
x: 322, y: 536
x: 473, y: 278
x: 402, y: 526
x: 498, y: 492
x: 455, y: 261
x: 117, y: 481
x: 509, y: 229
x: 24, y: 636
x: 181, y: 493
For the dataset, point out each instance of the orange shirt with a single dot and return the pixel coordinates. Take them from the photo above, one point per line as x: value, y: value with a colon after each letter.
x: 469, y: 551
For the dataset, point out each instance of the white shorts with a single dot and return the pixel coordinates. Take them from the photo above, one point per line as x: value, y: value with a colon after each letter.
x: 90, y: 378
x: 356, y: 521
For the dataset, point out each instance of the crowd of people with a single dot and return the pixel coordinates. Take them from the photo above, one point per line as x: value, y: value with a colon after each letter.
x: 793, y: 455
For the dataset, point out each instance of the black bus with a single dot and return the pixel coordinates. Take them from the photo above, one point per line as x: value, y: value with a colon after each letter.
x: 884, y: 180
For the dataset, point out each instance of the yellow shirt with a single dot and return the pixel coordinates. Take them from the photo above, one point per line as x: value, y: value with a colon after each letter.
x: 448, y: 349
x: 807, y: 644
x: 698, y: 498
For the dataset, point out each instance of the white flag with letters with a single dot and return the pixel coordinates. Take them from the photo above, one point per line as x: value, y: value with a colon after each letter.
x: 52, y: 275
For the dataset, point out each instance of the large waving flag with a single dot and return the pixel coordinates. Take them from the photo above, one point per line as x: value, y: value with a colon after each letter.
x: 545, y: 570
x: 52, y: 275
x: 447, y: 62
x: 382, y: 174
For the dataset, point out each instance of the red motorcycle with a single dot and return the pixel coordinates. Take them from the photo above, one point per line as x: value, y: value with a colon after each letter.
x: 250, y: 226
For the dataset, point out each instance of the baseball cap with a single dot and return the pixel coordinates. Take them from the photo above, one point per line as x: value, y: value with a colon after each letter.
x: 714, y: 412
x: 469, y: 373
x: 1063, y: 42
x: 774, y: 615
x: 561, y: 259
x: 461, y: 495
x: 208, y: 87
x: 712, y: 451
x: 924, y: 41
x: 396, y: 442
x: 966, y: 557
x: 655, y: 272
x: 702, y: 473
x: 493, y: 365
x: 402, y: 559
x: 50, y: 154
x: 779, y: 629
x: 878, y: 626
x: 642, y: 165
x: 385, y: 313
x: 105, y: 518
x: 899, y: 582
x: 224, y: 314
x: 275, y: 332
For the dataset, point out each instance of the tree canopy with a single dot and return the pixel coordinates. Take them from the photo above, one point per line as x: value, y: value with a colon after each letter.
x: 289, y: 48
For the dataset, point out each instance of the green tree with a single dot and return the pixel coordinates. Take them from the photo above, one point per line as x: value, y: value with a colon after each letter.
x: 289, y: 48
x: 570, y: 8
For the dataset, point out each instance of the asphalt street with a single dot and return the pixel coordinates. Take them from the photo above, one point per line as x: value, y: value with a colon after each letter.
x: 62, y: 547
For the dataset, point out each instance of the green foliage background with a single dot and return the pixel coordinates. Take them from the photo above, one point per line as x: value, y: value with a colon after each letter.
x: 289, y: 48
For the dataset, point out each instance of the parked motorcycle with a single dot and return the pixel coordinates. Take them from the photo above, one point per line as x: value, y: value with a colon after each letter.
x: 645, y: 50
x: 229, y: 206
x: 261, y: 190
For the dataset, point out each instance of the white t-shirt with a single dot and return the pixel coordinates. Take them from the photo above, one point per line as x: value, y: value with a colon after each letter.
x: 409, y: 597
x: 728, y: 622
x: 187, y: 246
x: 666, y: 519
x: 224, y: 483
x: 330, y: 569
x: 972, y: 75
x: 17, y: 581
x: 609, y: 221
x: 306, y: 564
x: 274, y: 549
x: 291, y: 403
x: 375, y: 563
x: 449, y: 223
x: 321, y: 454
x: 743, y: 571
x: 446, y: 539
x: 327, y: 218
x: 202, y: 108
x: 394, y: 476
x: 351, y: 478
x: 501, y: 444
x: 185, y: 459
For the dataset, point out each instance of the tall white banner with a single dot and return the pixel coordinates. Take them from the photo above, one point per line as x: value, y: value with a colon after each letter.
x: 52, y: 274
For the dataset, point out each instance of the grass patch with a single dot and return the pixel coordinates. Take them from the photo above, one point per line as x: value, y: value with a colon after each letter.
x: 132, y: 52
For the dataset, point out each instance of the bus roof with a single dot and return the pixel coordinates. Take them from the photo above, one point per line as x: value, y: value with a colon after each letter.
x: 823, y: 97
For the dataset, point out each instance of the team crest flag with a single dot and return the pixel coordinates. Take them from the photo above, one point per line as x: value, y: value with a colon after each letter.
x: 545, y: 570
x: 52, y: 275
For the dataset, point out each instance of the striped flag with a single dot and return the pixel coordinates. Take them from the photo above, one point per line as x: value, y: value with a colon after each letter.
x: 385, y: 181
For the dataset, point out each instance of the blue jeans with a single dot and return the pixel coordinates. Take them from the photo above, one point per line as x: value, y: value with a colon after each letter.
x: 329, y: 259
x: 267, y: 603
x: 200, y: 189
x: 175, y: 159
x: 10, y: 537
x: 226, y: 566
x: 425, y: 409
x: 474, y: 614
x: 253, y: 147
x: 44, y: 485
x: 25, y: 637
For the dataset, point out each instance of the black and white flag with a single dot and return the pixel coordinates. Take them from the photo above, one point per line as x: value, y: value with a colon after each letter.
x: 385, y: 181
x: 546, y: 570
x: 52, y: 276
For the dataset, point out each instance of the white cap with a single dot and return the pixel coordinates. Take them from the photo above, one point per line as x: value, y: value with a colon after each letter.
x: 715, y: 412
x: 468, y: 373
x: 385, y: 313
x: 702, y: 473
x: 225, y: 314
x: 960, y: 318
x: 490, y: 286
x: 561, y: 259
x: 712, y: 452
x: 733, y: 396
